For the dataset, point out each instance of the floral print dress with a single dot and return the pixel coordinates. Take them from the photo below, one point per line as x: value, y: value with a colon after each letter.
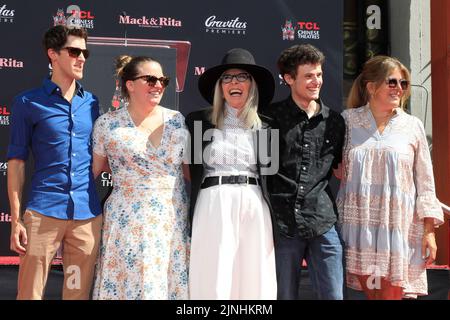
x: 144, y: 250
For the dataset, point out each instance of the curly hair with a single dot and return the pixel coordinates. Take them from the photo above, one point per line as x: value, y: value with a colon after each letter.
x: 298, y: 55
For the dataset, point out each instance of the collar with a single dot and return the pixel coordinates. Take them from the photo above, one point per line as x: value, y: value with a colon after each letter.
x: 231, y: 118
x: 50, y: 87
x: 295, y: 110
x: 230, y: 112
x: 396, y: 111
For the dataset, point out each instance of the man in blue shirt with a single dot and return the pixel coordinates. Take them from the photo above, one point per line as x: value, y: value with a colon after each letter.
x: 55, y: 121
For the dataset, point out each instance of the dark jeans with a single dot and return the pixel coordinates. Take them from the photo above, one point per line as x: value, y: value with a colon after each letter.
x: 325, y: 264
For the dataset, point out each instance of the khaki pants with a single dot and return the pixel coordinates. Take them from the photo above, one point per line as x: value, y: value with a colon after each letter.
x: 80, y: 239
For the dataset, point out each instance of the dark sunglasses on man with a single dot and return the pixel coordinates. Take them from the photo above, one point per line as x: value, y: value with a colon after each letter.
x: 151, y: 80
x: 75, y: 52
x: 393, y: 83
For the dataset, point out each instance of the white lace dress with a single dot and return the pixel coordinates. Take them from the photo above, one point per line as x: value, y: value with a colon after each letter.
x: 387, y: 189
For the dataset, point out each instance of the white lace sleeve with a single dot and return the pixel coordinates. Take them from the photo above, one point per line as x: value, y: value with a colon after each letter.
x: 427, y: 205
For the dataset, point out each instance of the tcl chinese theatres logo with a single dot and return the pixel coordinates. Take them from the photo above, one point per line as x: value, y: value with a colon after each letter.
x: 4, y: 118
x: 73, y: 16
x: 302, y: 30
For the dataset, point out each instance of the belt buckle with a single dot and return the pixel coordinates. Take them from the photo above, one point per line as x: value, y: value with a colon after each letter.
x: 242, y: 179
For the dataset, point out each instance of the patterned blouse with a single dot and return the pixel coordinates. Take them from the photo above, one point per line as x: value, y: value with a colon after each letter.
x: 231, y: 151
x: 387, y: 189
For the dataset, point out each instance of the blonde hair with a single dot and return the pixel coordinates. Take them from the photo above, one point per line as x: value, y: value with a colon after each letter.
x: 376, y: 70
x: 249, y: 113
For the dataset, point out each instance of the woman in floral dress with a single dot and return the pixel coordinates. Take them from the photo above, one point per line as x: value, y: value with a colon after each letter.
x: 144, y: 251
x: 387, y: 202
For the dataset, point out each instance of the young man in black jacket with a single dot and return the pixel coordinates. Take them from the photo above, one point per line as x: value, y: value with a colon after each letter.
x: 311, y: 140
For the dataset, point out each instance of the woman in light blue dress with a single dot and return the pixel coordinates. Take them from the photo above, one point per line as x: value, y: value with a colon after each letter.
x: 144, y: 250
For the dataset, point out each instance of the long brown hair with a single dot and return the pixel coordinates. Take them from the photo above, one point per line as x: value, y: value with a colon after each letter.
x: 376, y: 70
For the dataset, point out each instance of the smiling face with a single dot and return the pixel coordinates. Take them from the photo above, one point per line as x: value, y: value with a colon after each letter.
x: 142, y: 92
x: 384, y: 97
x: 66, y: 66
x: 236, y: 91
x: 305, y: 87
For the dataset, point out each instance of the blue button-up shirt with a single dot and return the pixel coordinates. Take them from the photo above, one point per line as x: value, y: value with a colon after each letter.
x: 59, y: 134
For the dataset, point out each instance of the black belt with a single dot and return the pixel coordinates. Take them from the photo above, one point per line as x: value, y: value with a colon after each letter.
x: 213, y: 181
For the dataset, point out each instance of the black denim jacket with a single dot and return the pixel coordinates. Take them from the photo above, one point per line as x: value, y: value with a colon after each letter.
x: 309, y: 148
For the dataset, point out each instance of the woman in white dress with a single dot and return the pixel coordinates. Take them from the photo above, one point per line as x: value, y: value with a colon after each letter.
x: 387, y: 202
x: 144, y: 249
x: 232, y: 248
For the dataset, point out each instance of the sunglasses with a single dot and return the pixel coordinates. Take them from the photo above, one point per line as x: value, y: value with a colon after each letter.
x: 75, y: 52
x: 151, y: 80
x: 241, y: 77
x: 393, y: 83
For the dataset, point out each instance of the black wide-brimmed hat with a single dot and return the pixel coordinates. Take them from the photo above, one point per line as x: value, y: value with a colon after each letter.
x: 240, y: 59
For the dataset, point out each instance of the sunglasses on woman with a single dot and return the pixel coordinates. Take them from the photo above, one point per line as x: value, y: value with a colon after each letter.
x: 393, y: 83
x: 151, y: 80
x: 241, y: 77
x: 75, y: 52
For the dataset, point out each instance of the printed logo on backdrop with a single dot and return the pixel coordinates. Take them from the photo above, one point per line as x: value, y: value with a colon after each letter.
x: 106, y: 179
x: 150, y: 22
x: 198, y: 71
x: 5, y: 217
x: 73, y: 16
x: 10, y: 63
x: 6, y: 14
x: 301, y: 30
x: 4, y: 117
x: 3, y: 168
x: 288, y: 30
x: 223, y: 26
